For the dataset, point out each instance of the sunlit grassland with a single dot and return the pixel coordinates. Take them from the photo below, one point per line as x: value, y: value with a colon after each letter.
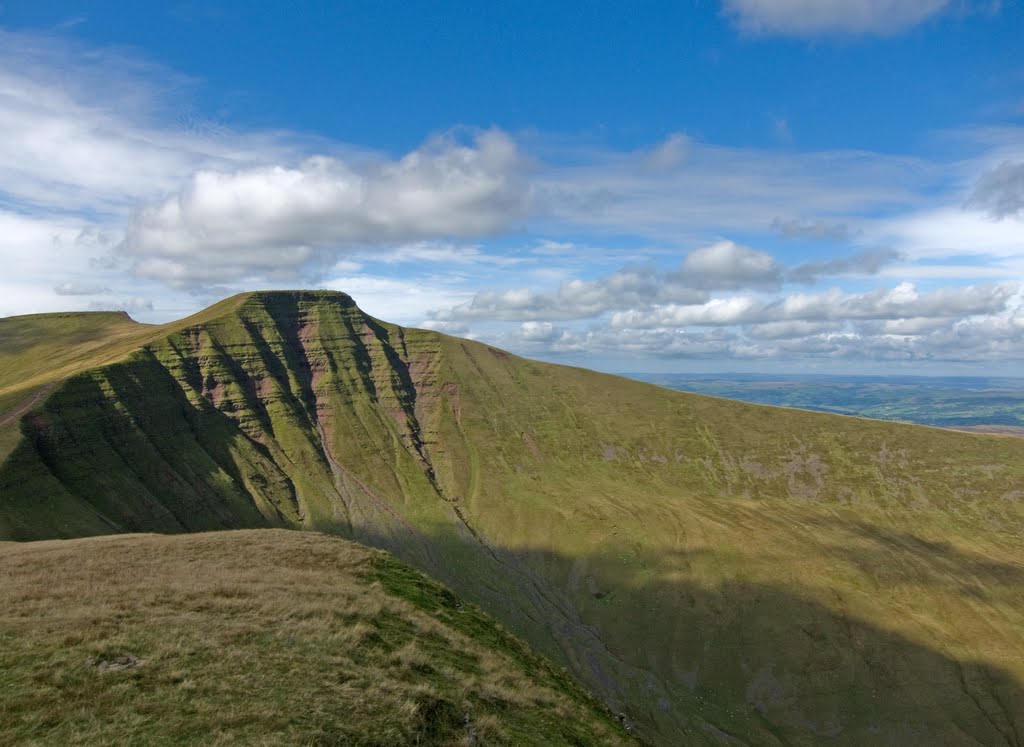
x: 262, y: 637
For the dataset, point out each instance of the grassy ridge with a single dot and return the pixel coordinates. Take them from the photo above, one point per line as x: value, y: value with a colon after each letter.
x: 39, y: 350
x: 263, y: 638
x: 708, y: 567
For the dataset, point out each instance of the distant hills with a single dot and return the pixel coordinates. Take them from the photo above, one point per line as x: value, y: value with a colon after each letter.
x: 714, y: 571
x: 975, y: 402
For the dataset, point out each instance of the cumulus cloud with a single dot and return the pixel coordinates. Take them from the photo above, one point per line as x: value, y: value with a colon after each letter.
x: 1000, y: 191
x: 277, y: 217
x: 830, y: 17
x: 728, y: 265
x: 538, y: 331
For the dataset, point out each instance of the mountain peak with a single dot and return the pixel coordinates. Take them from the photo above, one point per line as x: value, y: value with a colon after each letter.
x: 302, y: 295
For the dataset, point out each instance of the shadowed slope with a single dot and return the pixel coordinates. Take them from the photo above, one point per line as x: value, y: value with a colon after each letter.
x: 708, y: 567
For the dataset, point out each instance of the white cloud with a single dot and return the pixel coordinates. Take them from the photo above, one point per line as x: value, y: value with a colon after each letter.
x: 437, y: 252
x: 729, y: 265
x: 717, y: 311
x: 789, y: 330
x: 276, y: 217
x: 828, y: 17
x: 94, y: 156
x: 948, y: 232
x: 86, y: 129
x: 912, y: 326
x: 538, y: 331
x: 402, y: 301
x: 723, y: 265
x: 950, y: 271
x: 901, y: 302
x: 46, y: 266
x: 449, y: 328
x: 994, y: 339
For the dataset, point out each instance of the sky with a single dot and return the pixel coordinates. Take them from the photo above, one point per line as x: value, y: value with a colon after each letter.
x: 829, y: 186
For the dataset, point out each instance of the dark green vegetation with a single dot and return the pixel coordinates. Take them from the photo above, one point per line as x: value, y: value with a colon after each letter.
x: 268, y: 637
x: 712, y: 569
x: 952, y: 402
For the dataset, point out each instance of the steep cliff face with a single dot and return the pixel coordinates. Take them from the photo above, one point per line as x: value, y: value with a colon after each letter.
x: 274, y: 414
x: 713, y: 570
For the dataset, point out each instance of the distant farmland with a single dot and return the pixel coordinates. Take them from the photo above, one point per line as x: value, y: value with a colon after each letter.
x: 974, y: 403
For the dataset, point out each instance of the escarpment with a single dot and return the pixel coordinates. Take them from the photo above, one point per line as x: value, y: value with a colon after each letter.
x: 713, y: 570
x: 280, y: 413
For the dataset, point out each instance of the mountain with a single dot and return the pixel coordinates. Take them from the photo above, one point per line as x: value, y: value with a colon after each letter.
x: 714, y: 571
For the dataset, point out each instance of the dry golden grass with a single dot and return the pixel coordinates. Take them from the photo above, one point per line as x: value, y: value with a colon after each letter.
x: 260, y: 637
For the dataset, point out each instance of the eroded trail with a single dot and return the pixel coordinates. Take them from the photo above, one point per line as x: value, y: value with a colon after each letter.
x: 12, y: 416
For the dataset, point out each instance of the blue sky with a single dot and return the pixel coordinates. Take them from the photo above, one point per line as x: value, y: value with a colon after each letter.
x: 747, y: 185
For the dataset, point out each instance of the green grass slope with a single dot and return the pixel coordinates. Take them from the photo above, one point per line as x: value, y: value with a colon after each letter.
x: 714, y: 570
x: 39, y: 350
x: 263, y: 638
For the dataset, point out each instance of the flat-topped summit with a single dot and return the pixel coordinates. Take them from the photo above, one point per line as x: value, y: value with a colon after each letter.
x: 57, y: 315
x: 301, y: 295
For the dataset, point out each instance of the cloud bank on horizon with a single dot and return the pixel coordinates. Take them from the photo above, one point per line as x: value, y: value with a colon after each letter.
x: 678, y: 252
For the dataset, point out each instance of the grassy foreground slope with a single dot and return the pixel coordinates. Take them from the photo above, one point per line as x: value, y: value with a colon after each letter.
x: 714, y: 570
x: 263, y: 637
